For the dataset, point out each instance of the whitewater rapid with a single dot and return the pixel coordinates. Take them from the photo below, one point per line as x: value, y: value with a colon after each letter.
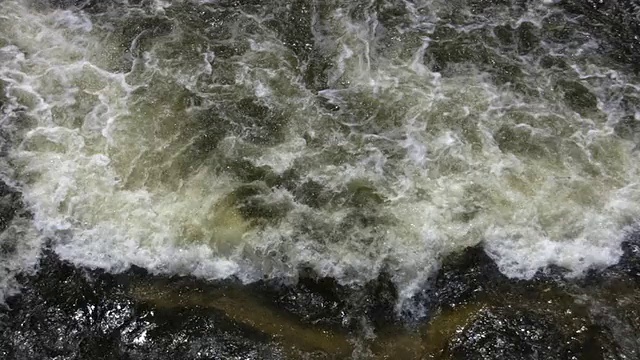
x: 221, y: 139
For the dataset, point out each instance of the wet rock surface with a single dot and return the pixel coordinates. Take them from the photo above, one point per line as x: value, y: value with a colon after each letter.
x: 10, y: 205
x: 517, y: 333
x: 480, y: 314
x: 69, y: 313
x: 618, y: 20
x: 470, y: 311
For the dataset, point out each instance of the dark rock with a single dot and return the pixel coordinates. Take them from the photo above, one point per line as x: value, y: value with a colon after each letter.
x: 577, y: 96
x: 322, y: 301
x: 527, y: 37
x: 519, y: 333
x: 312, y: 299
x: 474, y: 312
x: 382, y: 297
x: 627, y: 269
x: 71, y: 313
x: 557, y: 62
x: 10, y: 204
x: 556, y: 27
x: 630, y: 261
x: 466, y: 275
x: 616, y: 22
x: 504, y: 34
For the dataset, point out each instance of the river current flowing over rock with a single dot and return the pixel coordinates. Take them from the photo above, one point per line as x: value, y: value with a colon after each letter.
x: 319, y: 179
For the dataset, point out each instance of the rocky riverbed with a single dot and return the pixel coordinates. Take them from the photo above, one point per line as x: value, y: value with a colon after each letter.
x: 470, y: 310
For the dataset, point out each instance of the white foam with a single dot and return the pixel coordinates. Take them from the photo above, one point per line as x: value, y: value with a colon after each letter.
x: 110, y: 174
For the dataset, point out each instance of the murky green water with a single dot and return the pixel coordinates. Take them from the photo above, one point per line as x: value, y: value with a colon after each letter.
x: 256, y: 139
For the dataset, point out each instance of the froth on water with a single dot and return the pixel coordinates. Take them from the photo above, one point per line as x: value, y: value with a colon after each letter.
x: 222, y: 139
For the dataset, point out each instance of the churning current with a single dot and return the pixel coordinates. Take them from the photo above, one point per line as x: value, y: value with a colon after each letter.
x: 252, y: 139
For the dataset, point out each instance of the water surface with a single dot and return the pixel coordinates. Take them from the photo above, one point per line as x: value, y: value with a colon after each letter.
x: 253, y: 140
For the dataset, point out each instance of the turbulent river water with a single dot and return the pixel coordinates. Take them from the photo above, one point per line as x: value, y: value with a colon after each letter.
x: 256, y: 139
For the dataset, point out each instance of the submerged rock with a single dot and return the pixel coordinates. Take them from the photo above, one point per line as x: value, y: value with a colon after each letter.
x: 480, y: 314
x: 577, y: 96
x: 70, y: 313
x: 520, y: 333
x: 10, y: 205
x: 471, y: 311
x: 617, y: 21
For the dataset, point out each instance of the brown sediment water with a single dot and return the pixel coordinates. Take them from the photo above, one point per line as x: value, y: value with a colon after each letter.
x: 241, y: 306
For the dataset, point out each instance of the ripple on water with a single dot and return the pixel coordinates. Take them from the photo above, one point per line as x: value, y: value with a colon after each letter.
x: 224, y: 139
